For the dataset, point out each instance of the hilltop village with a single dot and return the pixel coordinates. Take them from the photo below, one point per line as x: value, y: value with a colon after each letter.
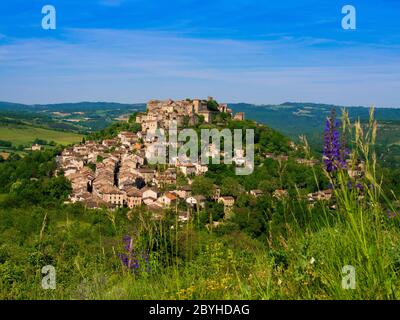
x: 114, y: 172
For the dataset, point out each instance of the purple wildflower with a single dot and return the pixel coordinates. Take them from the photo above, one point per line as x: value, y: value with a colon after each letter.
x: 391, y: 214
x: 349, y: 185
x: 128, y: 243
x: 334, y: 151
x: 130, y: 259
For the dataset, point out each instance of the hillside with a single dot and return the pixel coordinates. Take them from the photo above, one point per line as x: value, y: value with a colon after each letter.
x: 295, y: 119
x: 290, y: 118
x: 82, y: 117
x: 278, y: 233
x: 26, y: 134
x: 69, y: 107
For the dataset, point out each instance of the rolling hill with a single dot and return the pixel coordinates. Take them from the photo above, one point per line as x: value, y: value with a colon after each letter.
x: 294, y: 119
x: 25, y: 134
x: 82, y: 117
x: 290, y: 118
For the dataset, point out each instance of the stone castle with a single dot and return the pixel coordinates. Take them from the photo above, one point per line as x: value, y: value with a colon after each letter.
x: 161, y: 114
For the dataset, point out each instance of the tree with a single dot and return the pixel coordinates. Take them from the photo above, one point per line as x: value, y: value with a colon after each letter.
x: 6, y: 144
x: 203, y: 186
x: 249, y: 220
x: 139, y: 183
x: 200, y: 119
x: 216, y: 210
x: 135, y: 127
x: 269, y: 185
x: 212, y: 105
x: 132, y: 117
x: 40, y: 142
x: 231, y: 187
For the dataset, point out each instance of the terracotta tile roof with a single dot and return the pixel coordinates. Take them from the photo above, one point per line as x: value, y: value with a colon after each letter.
x: 170, y: 196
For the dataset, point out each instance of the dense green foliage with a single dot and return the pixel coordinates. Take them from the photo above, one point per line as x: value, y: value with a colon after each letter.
x: 212, y: 105
x: 113, y: 130
x: 5, y: 144
x: 268, y: 248
x: 31, y: 181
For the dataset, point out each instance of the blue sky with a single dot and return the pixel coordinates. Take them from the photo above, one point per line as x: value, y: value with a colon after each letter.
x: 236, y: 50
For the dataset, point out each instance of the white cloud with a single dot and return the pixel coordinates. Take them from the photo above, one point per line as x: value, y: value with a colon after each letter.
x: 134, y: 66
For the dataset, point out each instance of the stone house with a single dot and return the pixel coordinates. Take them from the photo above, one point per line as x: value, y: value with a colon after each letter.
x: 113, y: 195
x: 36, y: 147
x: 146, y: 173
x: 149, y: 194
x: 201, y: 169
x: 187, y: 168
x: 217, y: 193
x: 151, y: 125
x: 239, y: 116
x: 127, y: 137
x: 208, y: 115
x: 256, y: 193
x: 133, y: 198
x: 195, y: 201
x: 108, y: 143
x: 167, y: 199
x: 183, y: 192
x: 228, y: 202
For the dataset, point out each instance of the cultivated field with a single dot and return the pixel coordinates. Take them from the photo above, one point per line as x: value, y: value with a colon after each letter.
x: 26, y: 134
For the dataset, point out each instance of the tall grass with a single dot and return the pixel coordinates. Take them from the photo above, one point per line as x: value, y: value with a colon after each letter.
x: 357, y: 234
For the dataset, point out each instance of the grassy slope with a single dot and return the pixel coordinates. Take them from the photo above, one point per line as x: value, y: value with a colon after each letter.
x: 26, y: 134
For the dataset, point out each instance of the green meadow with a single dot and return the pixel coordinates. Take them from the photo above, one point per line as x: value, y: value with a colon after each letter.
x: 26, y: 134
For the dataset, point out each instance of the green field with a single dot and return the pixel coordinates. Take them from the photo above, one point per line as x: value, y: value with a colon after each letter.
x: 27, y: 134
